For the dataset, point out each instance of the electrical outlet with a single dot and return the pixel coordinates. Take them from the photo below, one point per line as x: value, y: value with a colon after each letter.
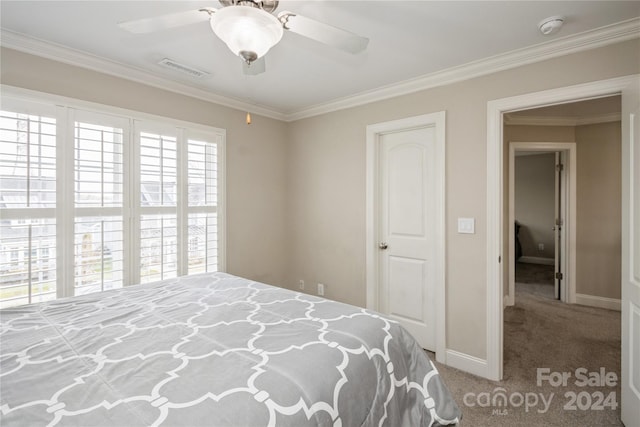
x: 301, y: 285
x: 320, y: 289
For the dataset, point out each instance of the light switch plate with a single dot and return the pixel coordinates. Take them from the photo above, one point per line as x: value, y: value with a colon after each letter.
x: 466, y: 225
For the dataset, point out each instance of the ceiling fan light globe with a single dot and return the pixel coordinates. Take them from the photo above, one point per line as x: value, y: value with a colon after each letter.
x: 246, y: 29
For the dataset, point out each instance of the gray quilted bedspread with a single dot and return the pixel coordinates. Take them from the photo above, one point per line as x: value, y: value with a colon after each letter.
x: 213, y: 350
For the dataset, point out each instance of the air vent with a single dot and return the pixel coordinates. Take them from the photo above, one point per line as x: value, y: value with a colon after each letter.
x: 185, y: 69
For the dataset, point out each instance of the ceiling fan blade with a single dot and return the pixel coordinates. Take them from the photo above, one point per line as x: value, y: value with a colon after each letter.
x: 164, y: 22
x: 324, y: 33
x: 258, y: 66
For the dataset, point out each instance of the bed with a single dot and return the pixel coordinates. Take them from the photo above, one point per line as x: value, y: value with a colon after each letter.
x: 213, y: 350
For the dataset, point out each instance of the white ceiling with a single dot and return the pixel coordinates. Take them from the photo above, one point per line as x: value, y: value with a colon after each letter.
x: 408, y: 40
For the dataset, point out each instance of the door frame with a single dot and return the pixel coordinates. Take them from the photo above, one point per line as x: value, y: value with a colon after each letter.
x: 568, y: 245
x: 374, y: 131
x: 495, y: 222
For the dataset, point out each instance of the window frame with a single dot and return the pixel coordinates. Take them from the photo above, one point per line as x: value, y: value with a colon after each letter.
x: 25, y: 215
x: 67, y: 111
x: 74, y: 116
x: 205, y: 209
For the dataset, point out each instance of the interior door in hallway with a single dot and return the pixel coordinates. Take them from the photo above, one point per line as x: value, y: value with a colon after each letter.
x: 407, y: 231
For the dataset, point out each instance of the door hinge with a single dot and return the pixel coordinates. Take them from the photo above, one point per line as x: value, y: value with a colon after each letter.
x: 559, y: 167
x: 559, y: 276
x: 559, y: 221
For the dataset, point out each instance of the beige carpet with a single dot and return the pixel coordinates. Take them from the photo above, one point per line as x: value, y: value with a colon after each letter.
x: 535, y: 279
x: 543, y: 333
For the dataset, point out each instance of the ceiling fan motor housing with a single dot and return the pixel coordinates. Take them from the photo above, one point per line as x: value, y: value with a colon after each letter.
x: 266, y: 5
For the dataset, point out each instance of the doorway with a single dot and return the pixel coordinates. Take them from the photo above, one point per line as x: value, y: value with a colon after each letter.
x: 496, y: 243
x: 549, y: 226
x: 539, y: 332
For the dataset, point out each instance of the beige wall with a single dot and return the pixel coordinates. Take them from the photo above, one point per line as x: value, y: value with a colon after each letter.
x: 535, y: 203
x: 326, y: 182
x: 255, y: 154
x: 599, y: 178
x: 296, y: 192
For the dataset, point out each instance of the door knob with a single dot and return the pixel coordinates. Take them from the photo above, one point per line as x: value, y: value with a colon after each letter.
x: 383, y: 245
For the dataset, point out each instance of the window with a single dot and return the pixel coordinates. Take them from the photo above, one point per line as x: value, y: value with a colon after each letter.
x: 202, y: 206
x: 30, y: 273
x: 27, y: 202
x: 98, y: 165
x: 158, y: 206
x: 98, y: 203
x: 28, y: 162
x: 158, y: 170
x: 158, y: 247
x: 119, y: 200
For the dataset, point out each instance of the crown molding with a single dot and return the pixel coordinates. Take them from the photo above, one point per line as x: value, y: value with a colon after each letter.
x: 56, y: 52
x: 512, y: 120
x: 592, y: 39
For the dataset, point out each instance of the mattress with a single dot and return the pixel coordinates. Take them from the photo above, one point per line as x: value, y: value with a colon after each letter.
x: 213, y: 350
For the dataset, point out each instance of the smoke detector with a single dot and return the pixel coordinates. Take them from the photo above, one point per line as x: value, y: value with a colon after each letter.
x: 551, y: 25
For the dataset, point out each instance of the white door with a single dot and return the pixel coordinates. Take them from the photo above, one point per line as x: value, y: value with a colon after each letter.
x: 631, y: 256
x: 407, y: 231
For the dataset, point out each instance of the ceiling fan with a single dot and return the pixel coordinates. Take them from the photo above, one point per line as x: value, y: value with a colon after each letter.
x: 249, y: 28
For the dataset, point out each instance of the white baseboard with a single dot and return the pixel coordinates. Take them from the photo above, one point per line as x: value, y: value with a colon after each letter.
x: 467, y: 363
x: 536, y: 260
x: 600, y: 302
x: 508, y: 300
